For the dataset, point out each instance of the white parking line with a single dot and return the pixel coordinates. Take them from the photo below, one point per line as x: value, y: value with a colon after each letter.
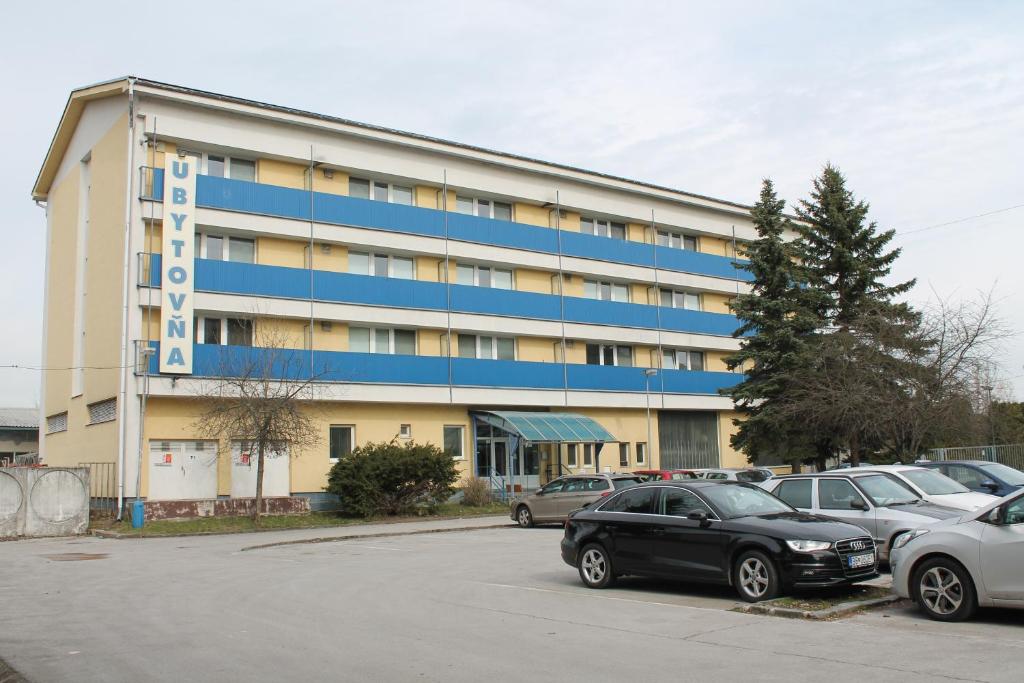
x: 593, y: 594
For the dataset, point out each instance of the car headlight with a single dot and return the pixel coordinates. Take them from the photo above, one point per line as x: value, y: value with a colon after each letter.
x: 906, y: 538
x: 808, y: 546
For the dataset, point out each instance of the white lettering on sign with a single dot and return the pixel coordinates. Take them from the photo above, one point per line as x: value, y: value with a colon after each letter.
x: 178, y: 265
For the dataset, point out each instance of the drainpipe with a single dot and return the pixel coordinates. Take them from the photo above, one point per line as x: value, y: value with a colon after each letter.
x: 122, y: 403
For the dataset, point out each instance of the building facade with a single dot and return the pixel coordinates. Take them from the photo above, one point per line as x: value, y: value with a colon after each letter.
x: 434, y: 291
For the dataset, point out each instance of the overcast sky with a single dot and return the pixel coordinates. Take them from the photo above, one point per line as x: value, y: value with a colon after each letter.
x: 921, y: 104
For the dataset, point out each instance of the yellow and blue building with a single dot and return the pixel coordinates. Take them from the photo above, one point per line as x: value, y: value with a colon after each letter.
x: 532, y: 318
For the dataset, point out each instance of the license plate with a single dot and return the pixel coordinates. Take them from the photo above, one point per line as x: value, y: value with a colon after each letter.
x: 865, y: 560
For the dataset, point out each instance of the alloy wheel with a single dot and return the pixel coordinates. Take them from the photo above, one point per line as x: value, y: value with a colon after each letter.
x: 594, y: 566
x: 754, y: 577
x: 941, y: 591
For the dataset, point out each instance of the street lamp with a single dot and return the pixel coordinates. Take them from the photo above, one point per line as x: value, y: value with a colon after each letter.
x: 648, y: 374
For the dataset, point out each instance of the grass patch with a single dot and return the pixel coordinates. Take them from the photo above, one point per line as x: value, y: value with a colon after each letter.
x: 813, y: 602
x: 312, y: 520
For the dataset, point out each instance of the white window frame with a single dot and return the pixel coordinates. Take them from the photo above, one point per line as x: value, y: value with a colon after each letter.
x: 624, y: 450
x: 671, y: 235
x: 476, y: 275
x: 641, y: 452
x: 681, y: 293
x: 372, y: 266
x: 390, y: 190
x: 490, y: 209
x: 352, y: 438
x: 391, y: 338
x: 602, y: 227
x: 462, y: 440
x: 201, y: 328
x: 598, y: 284
x: 588, y: 455
x: 615, y: 354
x: 205, y: 162
x: 494, y: 346
x: 675, y: 353
x: 224, y: 256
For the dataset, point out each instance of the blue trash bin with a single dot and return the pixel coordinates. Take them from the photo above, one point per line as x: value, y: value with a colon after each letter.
x: 138, y: 514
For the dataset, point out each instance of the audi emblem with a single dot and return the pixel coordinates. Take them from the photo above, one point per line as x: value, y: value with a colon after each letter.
x: 858, y: 545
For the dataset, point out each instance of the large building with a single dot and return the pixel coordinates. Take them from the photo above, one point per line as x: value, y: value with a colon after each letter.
x: 435, y: 291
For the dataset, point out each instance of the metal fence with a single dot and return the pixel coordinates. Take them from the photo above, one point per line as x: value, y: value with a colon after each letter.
x: 1007, y: 454
x: 102, y: 486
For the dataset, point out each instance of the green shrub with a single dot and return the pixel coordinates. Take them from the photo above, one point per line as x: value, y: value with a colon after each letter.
x: 392, y: 479
x: 476, y: 493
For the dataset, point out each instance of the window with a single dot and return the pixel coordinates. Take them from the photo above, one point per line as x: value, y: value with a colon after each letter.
x: 382, y: 340
x: 570, y: 451
x: 796, y: 492
x: 103, y: 411
x: 342, y: 438
x: 605, y: 291
x: 677, y: 240
x: 635, y: 501
x: 934, y: 483
x: 679, y: 503
x: 623, y: 455
x: 608, y: 354
x: 603, y: 228
x: 671, y: 298
x: 680, y: 359
x: 226, y: 248
x: 230, y: 331
x: 588, y: 455
x: 379, y: 191
x: 1014, y: 513
x: 836, y: 494
x: 405, y: 431
x: 965, y: 475
x: 573, y: 485
x: 381, y: 265
x: 596, y: 484
x: 555, y: 486
x: 222, y: 166
x: 453, y: 441
x: 485, y: 208
x: 57, y: 423
x: 483, y: 276
x: 641, y: 453
x: 483, y: 346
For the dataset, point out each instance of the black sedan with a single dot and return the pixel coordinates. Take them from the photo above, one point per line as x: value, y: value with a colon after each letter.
x: 714, y: 532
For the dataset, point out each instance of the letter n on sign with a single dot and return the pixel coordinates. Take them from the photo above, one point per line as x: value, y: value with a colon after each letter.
x: 178, y: 262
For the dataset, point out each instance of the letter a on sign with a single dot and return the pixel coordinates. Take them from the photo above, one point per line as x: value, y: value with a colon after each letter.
x: 178, y: 265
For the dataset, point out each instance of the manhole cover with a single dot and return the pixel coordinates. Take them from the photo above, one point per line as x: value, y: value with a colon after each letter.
x: 75, y: 557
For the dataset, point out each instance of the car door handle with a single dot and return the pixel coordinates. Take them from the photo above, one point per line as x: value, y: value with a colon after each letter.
x: 658, y: 531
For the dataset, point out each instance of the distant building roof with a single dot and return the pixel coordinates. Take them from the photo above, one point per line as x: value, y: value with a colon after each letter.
x: 19, y: 418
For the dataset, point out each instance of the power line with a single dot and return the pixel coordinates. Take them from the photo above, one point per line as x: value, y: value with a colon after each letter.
x: 73, y: 367
x: 958, y: 220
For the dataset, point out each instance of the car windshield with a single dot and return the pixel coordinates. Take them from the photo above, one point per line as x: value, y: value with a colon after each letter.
x: 934, y: 483
x: 743, y: 501
x: 884, y: 490
x: 754, y: 476
x: 1008, y: 474
x: 625, y: 483
x: 684, y: 475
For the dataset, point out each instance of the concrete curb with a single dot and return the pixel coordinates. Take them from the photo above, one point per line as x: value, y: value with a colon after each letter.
x: 382, y: 534
x: 841, y: 610
x: 9, y: 675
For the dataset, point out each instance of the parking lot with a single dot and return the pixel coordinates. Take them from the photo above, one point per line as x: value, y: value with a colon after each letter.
x: 462, y: 606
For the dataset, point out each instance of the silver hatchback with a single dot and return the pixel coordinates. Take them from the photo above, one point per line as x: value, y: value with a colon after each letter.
x: 875, y: 501
x: 555, y: 500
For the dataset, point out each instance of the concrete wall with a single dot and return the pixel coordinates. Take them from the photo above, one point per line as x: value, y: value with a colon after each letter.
x: 43, y: 501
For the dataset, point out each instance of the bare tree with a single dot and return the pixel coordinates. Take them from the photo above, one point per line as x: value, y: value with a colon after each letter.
x: 261, y: 396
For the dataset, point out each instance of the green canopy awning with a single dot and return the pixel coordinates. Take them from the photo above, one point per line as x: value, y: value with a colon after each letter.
x: 547, y: 427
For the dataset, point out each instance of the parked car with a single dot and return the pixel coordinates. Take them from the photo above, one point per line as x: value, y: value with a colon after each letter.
x: 665, y: 475
x: 980, y: 475
x: 875, y: 501
x: 952, y: 567
x: 555, y: 500
x: 714, y: 532
x: 935, y: 487
x: 752, y: 475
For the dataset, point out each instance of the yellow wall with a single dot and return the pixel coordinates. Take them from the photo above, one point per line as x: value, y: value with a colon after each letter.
x: 729, y: 456
x: 427, y: 197
x: 573, y: 284
x: 537, y: 349
x: 714, y: 302
x: 429, y: 268
x: 714, y: 245
x: 335, y: 258
x: 273, y: 251
x: 570, y: 221
x: 637, y: 232
x: 283, y: 173
x: 431, y: 342
x: 532, y: 214
x: 628, y: 426
x: 528, y: 280
x: 715, y: 360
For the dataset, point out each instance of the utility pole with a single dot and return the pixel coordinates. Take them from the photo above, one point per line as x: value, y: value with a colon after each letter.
x: 648, y: 374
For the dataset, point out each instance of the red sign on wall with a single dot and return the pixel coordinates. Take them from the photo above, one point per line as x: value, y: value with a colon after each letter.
x: 168, y: 458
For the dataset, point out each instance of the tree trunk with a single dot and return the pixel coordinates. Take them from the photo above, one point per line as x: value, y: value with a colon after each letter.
x: 796, y: 467
x: 259, y: 483
x: 854, y: 450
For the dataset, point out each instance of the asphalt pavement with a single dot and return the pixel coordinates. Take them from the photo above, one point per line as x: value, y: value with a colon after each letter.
x: 470, y: 605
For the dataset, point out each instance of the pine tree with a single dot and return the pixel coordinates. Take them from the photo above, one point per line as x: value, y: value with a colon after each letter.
x: 779, y: 317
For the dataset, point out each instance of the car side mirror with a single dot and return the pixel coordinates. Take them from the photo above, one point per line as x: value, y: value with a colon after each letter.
x: 990, y: 485
x: 994, y: 516
x: 698, y: 515
x: 858, y: 504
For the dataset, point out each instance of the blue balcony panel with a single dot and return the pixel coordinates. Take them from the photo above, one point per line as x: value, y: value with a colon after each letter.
x: 272, y: 200
x: 694, y: 382
x: 698, y: 322
x: 474, y: 372
x: 490, y: 301
x: 597, y: 312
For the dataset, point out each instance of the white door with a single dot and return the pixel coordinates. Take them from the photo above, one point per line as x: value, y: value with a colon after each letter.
x: 244, y: 461
x: 182, y: 470
x: 1002, y: 554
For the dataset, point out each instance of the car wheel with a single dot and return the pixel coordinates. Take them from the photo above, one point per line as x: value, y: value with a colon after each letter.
x: 943, y: 590
x: 595, y: 567
x: 755, y: 577
x: 524, y: 517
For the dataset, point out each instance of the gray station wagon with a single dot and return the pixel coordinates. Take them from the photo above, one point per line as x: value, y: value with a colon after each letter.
x: 875, y: 501
x: 555, y: 500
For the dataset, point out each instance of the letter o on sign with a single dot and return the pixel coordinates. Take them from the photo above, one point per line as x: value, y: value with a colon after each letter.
x: 177, y: 275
